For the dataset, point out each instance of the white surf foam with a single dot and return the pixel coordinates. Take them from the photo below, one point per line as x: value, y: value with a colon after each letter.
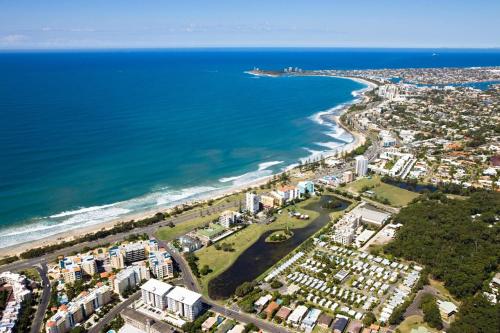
x: 266, y: 165
x: 79, y: 211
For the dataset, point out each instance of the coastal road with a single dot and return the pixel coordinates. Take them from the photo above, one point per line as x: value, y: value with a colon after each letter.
x: 150, y: 230
x: 190, y: 281
x: 114, y: 312
x: 44, y: 300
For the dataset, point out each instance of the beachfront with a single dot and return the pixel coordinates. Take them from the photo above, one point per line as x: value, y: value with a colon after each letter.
x: 332, y: 115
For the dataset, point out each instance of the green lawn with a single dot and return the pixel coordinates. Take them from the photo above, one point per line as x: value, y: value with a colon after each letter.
x: 169, y: 234
x: 219, y: 261
x: 397, y: 196
x: 414, y: 322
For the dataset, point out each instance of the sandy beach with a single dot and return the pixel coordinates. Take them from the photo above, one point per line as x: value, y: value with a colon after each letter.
x: 358, y: 139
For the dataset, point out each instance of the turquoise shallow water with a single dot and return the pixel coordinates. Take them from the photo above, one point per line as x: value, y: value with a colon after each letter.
x: 87, y: 137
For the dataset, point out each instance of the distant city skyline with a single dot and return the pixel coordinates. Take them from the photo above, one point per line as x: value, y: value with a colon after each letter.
x: 137, y: 24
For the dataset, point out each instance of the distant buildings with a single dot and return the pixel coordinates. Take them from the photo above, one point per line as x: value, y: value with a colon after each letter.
x: 347, y: 177
x: 229, y: 218
x: 129, y: 278
x: 190, y: 243
x: 161, y: 264
x: 361, y: 165
x: 134, y: 252
x: 12, y: 309
x: 76, y: 311
x: 116, y: 258
x: 252, y: 201
x: 18, y: 283
x: 304, y: 187
x: 178, y: 300
x: 288, y: 193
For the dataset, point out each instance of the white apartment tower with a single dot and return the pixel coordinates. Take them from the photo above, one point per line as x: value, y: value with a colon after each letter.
x: 361, y: 165
x: 252, y: 203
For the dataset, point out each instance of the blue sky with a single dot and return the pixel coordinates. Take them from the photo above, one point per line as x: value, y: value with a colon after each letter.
x: 48, y: 24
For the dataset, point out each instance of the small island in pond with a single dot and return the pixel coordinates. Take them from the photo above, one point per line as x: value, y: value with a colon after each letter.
x: 279, y: 236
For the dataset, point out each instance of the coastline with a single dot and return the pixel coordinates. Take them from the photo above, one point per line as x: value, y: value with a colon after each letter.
x: 332, y: 116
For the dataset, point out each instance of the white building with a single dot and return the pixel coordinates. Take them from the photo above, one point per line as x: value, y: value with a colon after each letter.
x: 128, y: 278
x: 89, y: 265
x: 184, y: 302
x: 252, y: 203
x: 361, y: 165
x: 154, y: 293
x: 161, y: 265
x: 297, y: 315
x: 134, y: 252
x: 228, y: 218
x: 116, y: 258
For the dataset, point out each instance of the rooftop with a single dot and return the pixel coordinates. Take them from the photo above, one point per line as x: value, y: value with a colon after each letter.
x: 157, y: 287
x: 184, y: 295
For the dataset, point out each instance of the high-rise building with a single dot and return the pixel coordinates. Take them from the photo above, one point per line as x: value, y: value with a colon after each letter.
x: 361, y: 165
x: 89, y: 265
x: 228, y: 218
x: 252, y: 203
x: 184, y: 302
x: 161, y: 265
x: 154, y: 293
x: 116, y: 258
x: 134, y: 252
x: 128, y: 278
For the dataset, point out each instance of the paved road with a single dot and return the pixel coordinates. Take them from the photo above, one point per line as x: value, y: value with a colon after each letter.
x: 23, y: 264
x: 113, y: 313
x: 36, y: 326
x: 246, y: 318
x: 189, y: 279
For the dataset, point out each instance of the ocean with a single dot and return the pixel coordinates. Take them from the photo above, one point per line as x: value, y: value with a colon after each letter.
x: 91, y: 136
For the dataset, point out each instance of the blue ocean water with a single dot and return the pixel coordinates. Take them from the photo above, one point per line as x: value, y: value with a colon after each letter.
x: 91, y: 136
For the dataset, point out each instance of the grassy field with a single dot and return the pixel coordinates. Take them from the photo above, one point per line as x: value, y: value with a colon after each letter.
x: 413, y: 322
x: 397, y: 196
x: 219, y: 261
x: 443, y: 292
x: 168, y: 233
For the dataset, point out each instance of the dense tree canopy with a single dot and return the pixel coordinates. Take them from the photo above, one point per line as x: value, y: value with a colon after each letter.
x: 448, y: 236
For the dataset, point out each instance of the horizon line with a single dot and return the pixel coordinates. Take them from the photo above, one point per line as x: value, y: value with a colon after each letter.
x: 159, y: 48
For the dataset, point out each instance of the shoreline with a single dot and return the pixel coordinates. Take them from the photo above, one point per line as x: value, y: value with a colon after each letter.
x: 332, y: 115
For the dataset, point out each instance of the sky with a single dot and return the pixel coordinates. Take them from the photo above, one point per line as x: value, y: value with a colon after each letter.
x: 70, y: 24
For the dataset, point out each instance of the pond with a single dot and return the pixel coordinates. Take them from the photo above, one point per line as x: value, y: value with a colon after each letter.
x: 262, y: 255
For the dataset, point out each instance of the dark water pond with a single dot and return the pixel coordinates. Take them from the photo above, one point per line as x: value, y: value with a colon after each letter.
x: 261, y: 255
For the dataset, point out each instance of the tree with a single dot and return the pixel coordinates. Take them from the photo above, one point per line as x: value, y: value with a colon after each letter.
x: 251, y: 327
x: 369, y: 319
x: 431, y: 311
x: 275, y: 284
x: 244, y: 289
x: 205, y: 270
x: 476, y: 315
